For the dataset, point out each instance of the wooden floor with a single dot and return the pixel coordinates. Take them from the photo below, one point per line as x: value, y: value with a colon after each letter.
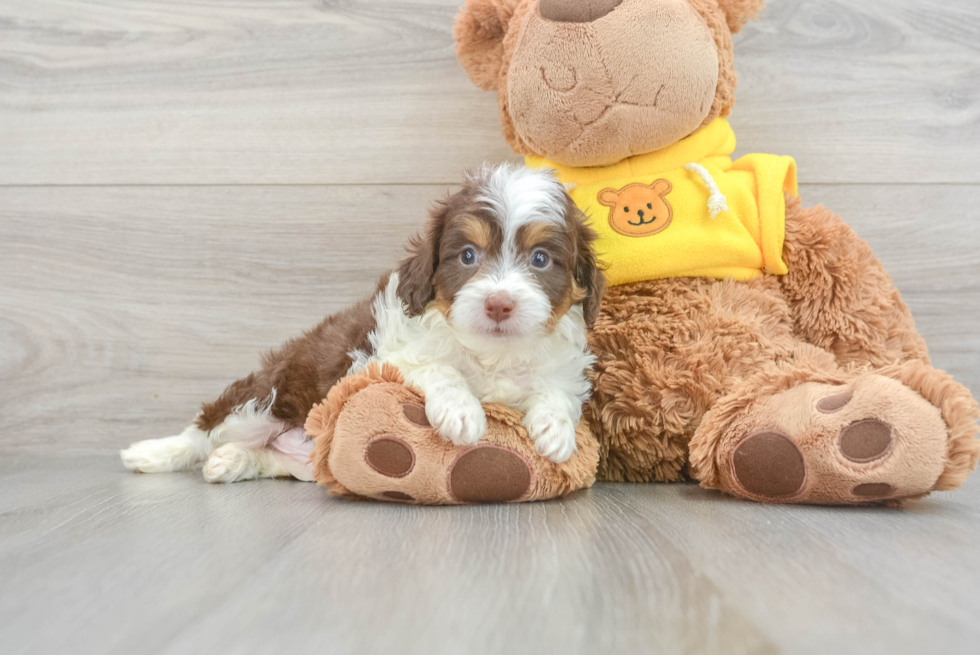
x: 183, y: 184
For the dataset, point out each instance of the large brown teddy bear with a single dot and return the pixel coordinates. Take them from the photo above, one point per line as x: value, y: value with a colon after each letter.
x: 747, y: 342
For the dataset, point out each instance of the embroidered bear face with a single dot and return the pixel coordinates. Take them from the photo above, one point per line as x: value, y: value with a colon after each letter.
x: 639, y: 210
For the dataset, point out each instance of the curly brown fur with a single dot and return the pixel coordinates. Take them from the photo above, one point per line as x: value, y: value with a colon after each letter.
x: 842, y: 298
x: 667, y: 350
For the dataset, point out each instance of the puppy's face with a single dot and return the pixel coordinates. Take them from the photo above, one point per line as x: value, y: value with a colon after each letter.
x: 504, y: 258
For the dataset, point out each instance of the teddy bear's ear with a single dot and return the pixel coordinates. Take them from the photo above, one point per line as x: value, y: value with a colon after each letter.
x: 479, y: 32
x: 739, y: 12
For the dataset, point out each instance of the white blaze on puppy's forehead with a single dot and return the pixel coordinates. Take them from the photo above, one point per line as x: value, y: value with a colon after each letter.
x: 518, y: 195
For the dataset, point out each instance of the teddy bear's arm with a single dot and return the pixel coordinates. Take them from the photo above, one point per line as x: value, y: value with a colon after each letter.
x: 841, y: 297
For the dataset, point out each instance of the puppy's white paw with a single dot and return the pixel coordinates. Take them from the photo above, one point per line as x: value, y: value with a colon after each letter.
x: 553, y: 433
x: 456, y: 415
x: 231, y: 462
x: 157, y: 455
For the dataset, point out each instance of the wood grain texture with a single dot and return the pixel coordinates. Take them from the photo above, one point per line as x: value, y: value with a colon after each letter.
x: 369, y: 92
x: 112, y: 562
x: 123, y: 308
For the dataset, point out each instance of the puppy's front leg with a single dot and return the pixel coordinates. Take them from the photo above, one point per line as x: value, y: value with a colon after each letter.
x: 450, y: 406
x: 550, y: 418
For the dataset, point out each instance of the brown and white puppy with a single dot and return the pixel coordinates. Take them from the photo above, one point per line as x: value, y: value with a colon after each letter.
x: 491, y: 306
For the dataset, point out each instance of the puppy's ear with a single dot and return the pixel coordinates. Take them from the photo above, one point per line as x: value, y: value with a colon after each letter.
x: 416, y: 271
x: 479, y: 32
x: 588, y: 271
x: 740, y: 12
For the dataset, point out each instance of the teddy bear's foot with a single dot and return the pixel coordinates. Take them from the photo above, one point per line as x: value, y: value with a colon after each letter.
x: 374, y: 440
x: 480, y: 474
x: 872, y: 438
x: 402, y: 458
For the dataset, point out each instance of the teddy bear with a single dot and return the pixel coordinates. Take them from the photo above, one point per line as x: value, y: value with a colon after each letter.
x: 371, y: 439
x: 746, y: 341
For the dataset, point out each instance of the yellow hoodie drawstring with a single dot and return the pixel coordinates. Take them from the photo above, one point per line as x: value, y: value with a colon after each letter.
x: 717, y: 202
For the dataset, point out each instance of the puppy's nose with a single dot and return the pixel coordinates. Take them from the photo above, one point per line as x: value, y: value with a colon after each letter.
x: 640, y: 214
x: 499, y: 306
x: 576, y: 11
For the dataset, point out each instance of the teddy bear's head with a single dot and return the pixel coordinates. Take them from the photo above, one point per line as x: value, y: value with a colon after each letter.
x: 591, y: 82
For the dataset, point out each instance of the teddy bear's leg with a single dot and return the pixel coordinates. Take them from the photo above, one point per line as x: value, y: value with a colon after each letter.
x: 376, y: 442
x: 811, y: 432
x: 840, y: 296
x: 384, y: 448
x: 666, y: 351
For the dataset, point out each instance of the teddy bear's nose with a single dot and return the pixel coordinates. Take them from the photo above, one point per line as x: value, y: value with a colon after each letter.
x: 576, y: 11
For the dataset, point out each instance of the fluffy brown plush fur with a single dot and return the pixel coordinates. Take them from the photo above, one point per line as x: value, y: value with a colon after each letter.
x: 672, y: 350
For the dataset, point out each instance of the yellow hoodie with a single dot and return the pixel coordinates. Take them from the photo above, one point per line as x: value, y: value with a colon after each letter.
x: 686, y: 210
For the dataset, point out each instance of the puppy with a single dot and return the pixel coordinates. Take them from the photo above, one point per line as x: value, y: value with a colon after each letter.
x: 491, y: 306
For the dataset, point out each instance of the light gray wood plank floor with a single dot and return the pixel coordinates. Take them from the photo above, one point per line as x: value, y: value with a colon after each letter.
x: 185, y: 184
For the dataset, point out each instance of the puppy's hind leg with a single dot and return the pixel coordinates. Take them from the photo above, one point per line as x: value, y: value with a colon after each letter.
x: 177, y: 453
x: 245, y: 449
x: 237, y: 410
x: 235, y: 462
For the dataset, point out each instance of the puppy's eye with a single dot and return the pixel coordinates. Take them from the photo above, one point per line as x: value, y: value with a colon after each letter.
x: 540, y: 259
x: 468, y: 257
x: 649, y: 205
x: 626, y: 209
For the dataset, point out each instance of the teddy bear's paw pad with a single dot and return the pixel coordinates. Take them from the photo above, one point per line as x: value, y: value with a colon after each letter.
x: 866, y: 441
x: 415, y: 414
x: 390, y: 457
x: 489, y: 474
x: 769, y: 464
x: 873, y: 490
x: 835, y: 403
x: 869, y: 441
